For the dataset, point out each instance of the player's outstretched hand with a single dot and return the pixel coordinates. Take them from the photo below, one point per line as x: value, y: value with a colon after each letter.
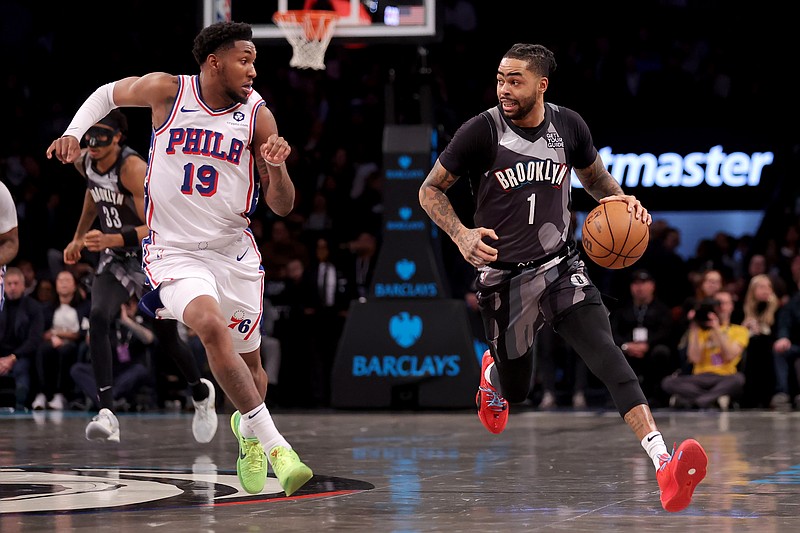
x: 66, y: 149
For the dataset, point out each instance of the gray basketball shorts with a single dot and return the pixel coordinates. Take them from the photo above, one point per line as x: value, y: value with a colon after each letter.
x: 515, y: 304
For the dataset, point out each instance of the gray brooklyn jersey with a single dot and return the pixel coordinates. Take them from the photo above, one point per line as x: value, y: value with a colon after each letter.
x: 115, y: 205
x: 523, y: 190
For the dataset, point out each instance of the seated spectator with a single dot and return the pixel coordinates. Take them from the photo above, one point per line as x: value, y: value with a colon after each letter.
x: 65, y: 329
x: 786, y: 354
x: 131, y: 366
x: 21, y: 329
x: 642, y: 328
x: 714, y: 349
x: 760, y: 305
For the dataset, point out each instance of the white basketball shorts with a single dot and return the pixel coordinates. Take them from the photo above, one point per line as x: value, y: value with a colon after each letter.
x: 231, y: 274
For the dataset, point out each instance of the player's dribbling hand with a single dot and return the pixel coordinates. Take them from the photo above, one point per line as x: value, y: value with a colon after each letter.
x: 475, y: 251
x: 639, y: 211
x: 66, y: 149
x: 275, y: 150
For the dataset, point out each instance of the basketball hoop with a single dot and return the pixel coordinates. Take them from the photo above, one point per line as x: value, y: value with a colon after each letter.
x: 309, y: 31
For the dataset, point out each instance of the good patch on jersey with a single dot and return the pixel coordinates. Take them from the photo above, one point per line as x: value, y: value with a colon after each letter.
x: 525, y: 173
x: 578, y: 280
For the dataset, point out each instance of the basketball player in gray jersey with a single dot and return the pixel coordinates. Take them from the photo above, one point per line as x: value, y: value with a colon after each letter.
x: 115, y: 196
x: 520, y: 156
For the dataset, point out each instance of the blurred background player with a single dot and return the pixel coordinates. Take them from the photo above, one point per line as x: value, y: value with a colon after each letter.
x: 114, y: 196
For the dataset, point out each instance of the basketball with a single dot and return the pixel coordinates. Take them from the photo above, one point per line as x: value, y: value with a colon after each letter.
x: 612, y: 238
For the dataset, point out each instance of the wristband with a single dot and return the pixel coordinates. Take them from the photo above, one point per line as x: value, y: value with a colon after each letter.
x: 273, y: 164
x: 129, y: 237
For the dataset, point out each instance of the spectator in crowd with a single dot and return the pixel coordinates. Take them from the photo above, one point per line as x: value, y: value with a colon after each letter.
x: 642, y: 328
x: 706, y: 285
x: 361, y: 265
x: 295, y: 305
x: 31, y: 277
x: 667, y: 267
x: 131, y: 368
x: 760, y: 307
x: 21, y: 329
x: 65, y: 329
x: 786, y: 354
x: 281, y: 248
x: 714, y: 349
x: 330, y: 311
x: 45, y: 294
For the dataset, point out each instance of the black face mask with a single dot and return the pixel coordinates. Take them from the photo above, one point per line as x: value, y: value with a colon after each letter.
x: 97, y: 137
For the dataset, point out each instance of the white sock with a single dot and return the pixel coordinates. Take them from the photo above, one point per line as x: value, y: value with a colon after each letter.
x: 653, y: 444
x: 258, y: 423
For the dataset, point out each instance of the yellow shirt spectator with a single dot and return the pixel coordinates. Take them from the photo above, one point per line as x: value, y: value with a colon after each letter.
x: 711, y: 360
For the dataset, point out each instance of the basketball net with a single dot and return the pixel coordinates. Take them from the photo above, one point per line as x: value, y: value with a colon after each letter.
x: 309, y: 32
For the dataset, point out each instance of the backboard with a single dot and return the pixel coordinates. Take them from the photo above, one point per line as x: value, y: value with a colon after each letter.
x: 381, y: 20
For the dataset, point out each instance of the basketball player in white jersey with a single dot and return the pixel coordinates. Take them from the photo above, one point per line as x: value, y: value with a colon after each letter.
x: 214, y: 145
x: 9, y: 233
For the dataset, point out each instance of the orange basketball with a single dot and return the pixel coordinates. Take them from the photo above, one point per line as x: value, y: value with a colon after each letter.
x: 612, y: 238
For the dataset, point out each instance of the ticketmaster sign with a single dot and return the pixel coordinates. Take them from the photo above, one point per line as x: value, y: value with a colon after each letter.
x: 714, y: 168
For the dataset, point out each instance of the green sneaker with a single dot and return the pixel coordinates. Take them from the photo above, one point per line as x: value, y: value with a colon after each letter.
x: 290, y: 471
x: 251, y: 465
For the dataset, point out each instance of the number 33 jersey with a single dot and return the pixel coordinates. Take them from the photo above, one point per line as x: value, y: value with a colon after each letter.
x: 114, y: 203
x: 201, y: 183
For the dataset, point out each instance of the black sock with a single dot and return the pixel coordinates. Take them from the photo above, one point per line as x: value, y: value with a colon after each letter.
x: 199, y: 391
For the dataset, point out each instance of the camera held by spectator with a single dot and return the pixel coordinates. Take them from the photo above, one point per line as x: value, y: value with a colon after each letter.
x: 702, y: 310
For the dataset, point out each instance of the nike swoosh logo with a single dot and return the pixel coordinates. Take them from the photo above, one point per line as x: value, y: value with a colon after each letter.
x: 184, y: 110
x: 239, y: 257
x: 103, y: 389
x: 242, y: 455
x: 254, y: 414
x: 654, y: 436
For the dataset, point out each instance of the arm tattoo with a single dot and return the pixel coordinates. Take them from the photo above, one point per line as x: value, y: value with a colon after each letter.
x: 436, y: 203
x: 598, y: 182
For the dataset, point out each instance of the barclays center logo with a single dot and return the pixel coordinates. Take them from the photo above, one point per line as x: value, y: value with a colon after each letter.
x: 406, y: 269
x: 405, y: 170
x: 406, y: 330
x: 403, y: 222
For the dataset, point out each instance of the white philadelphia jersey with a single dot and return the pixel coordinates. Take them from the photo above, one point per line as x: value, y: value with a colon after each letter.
x: 8, y: 210
x: 201, y: 183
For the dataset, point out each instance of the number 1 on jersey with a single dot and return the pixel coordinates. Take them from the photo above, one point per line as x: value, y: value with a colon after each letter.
x: 532, y: 201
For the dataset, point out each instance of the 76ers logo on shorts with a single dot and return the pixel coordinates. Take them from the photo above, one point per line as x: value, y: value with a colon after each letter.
x: 239, y: 322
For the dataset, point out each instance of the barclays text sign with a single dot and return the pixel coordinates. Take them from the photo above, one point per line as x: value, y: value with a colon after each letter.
x: 405, y: 353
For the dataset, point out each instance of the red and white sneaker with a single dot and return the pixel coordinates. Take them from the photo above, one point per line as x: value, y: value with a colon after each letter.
x: 680, y: 473
x: 492, y: 408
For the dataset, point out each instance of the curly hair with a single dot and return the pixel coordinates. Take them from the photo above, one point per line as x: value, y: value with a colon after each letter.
x: 540, y: 59
x: 219, y: 36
